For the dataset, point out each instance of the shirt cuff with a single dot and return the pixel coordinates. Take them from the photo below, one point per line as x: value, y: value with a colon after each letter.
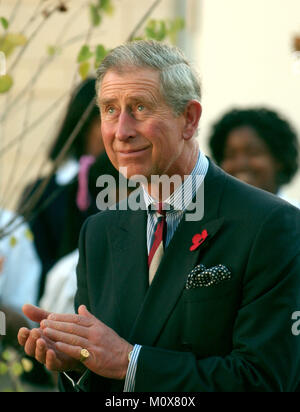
x: 131, y: 371
x: 75, y: 384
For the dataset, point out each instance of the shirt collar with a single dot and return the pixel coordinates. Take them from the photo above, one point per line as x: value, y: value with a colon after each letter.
x: 184, y: 194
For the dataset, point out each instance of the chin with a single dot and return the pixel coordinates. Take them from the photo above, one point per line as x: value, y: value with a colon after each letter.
x: 130, y: 172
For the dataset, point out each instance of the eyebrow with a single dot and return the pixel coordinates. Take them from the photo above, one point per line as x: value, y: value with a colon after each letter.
x: 134, y: 99
x: 105, y: 102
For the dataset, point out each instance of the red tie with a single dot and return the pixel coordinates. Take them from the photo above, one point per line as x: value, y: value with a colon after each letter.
x: 157, y: 248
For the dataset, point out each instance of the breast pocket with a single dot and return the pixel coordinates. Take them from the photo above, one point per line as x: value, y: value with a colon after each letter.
x: 209, y: 314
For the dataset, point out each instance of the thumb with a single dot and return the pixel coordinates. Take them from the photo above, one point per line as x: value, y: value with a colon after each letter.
x: 34, y: 313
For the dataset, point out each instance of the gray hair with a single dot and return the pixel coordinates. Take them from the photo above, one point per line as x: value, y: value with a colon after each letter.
x: 179, y: 82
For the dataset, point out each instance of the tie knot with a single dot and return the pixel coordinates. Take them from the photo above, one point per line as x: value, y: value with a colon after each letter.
x: 161, y: 210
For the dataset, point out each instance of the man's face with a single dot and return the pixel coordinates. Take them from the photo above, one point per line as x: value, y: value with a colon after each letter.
x: 140, y: 131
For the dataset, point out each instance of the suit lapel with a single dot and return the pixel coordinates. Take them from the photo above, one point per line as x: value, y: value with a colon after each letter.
x: 130, y: 272
x: 178, y: 261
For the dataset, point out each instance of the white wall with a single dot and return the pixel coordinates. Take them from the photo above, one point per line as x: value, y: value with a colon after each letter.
x: 243, y: 51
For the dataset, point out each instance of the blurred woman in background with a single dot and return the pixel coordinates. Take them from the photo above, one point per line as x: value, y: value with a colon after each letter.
x: 256, y: 146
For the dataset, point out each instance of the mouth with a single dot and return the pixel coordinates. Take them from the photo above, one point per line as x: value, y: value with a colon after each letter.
x: 133, y: 152
x: 246, y: 177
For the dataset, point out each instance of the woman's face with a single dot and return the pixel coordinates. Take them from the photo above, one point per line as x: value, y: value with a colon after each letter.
x: 248, y: 158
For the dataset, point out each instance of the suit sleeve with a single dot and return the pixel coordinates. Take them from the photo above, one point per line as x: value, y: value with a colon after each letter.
x: 265, y: 354
x: 80, y: 381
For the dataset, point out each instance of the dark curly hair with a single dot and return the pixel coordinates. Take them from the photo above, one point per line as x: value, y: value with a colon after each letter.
x: 275, y: 131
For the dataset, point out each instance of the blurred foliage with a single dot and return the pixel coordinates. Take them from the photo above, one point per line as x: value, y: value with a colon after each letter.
x: 89, y: 57
x: 160, y: 30
x: 8, y: 43
x: 11, y: 368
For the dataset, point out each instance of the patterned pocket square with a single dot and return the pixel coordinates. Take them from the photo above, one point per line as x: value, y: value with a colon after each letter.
x: 201, y: 276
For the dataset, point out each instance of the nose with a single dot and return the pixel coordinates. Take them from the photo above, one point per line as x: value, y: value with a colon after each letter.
x: 242, y: 162
x: 125, y: 127
x: 239, y: 162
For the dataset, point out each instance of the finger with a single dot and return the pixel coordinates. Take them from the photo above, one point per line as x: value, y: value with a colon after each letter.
x: 23, y: 335
x: 68, y: 338
x: 30, y: 345
x: 34, y: 313
x: 53, y: 363
x: 70, y: 328
x: 82, y: 310
x: 40, y: 351
x: 70, y: 350
x: 78, y: 320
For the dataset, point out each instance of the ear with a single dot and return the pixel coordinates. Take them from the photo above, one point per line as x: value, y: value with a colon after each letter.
x: 192, y: 116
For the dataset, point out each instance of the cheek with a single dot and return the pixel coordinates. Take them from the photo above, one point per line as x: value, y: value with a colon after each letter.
x: 264, y: 165
x: 107, y: 136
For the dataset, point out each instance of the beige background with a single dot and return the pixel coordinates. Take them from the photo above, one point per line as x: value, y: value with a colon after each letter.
x: 242, y: 49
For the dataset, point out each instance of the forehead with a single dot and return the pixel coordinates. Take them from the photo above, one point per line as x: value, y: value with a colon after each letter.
x: 129, y: 83
x: 245, y: 135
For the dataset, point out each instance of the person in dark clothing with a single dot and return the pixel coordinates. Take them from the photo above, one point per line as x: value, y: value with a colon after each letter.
x: 48, y: 218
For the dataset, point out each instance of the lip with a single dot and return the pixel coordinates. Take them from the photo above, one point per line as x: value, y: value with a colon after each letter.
x: 136, y: 152
x: 245, y: 177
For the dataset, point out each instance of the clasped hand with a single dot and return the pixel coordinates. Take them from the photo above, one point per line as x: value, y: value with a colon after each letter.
x: 61, y: 337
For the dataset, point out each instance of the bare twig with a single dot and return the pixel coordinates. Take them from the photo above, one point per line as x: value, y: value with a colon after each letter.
x: 33, y: 200
x: 143, y: 20
x: 40, y: 69
x: 32, y: 37
x: 36, y: 196
x: 14, y: 11
x: 33, y: 17
x: 33, y: 125
x: 16, y: 163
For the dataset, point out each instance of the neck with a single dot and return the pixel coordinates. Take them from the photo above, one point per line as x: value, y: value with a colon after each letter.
x: 161, y: 187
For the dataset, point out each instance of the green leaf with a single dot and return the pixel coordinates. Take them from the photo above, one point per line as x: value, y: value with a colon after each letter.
x: 100, y: 53
x: 84, y: 54
x: 53, y: 50
x: 84, y: 69
x: 4, y: 22
x: 156, y: 30
x: 27, y: 364
x: 6, y: 83
x: 3, y: 368
x: 174, y: 28
x: 7, y: 355
x: 95, y: 15
x: 29, y: 235
x: 10, y: 41
x: 13, y: 240
x: 16, y: 369
x: 17, y: 39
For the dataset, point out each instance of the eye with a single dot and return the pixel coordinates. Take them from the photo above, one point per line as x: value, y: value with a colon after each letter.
x: 140, y: 107
x: 110, y: 110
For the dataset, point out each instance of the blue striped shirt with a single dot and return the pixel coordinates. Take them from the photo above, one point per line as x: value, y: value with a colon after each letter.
x: 175, y: 205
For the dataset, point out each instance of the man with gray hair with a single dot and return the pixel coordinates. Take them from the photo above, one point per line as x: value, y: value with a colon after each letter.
x: 165, y: 303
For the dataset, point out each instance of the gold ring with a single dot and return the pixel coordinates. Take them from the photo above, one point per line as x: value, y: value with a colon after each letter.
x: 84, y: 355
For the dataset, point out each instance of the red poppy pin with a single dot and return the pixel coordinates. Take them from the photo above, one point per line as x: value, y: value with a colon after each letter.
x: 198, y: 240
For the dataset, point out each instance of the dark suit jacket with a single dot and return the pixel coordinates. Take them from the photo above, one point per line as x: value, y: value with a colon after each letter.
x: 235, y: 336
